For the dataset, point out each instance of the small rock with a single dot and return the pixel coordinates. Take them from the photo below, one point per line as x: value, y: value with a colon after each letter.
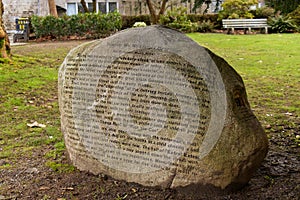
x: 32, y: 170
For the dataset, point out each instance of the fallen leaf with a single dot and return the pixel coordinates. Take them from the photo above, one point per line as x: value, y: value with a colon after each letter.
x: 134, y: 190
x: 44, y: 188
x: 288, y: 113
x: 36, y: 125
x: 68, y: 188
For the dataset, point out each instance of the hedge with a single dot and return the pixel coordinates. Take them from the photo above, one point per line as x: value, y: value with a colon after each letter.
x: 97, y: 25
x: 87, y: 25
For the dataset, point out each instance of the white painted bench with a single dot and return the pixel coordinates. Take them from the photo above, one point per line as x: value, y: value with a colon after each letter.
x: 246, y: 24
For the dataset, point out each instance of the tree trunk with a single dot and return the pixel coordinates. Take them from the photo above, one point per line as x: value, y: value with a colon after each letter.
x: 152, y: 11
x: 4, y: 41
x: 94, y: 6
x: 85, y: 8
x: 162, y: 8
x: 52, y: 8
x: 155, y: 17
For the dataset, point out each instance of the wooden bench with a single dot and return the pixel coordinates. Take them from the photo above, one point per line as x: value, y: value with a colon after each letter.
x: 246, y: 24
x: 22, y: 30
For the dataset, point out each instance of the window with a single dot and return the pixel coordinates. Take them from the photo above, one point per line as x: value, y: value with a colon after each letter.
x: 112, y: 6
x: 80, y: 8
x: 105, y: 7
x: 90, y: 7
x: 71, y: 9
x: 102, y: 7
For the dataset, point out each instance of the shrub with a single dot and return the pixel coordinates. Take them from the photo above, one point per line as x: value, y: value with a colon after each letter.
x: 206, y: 26
x: 177, y: 19
x: 295, y: 15
x: 202, y: 18
x: 264, y: 12
x: 128, y: 21
x: 88, y: 25
x: 282, y: 24
x: 206, y: 18
x: 74, y: 25
x: 234, y: 9
x: 283, y: 6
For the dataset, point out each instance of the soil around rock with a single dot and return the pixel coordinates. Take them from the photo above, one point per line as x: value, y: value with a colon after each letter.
x: 277, y: 178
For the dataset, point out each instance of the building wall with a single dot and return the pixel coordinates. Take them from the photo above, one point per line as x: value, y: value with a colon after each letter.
x: 15, y: 9
x: 139, y: 7
x: 76, y: 3
x: 25, y: 8
x: 133, y: 7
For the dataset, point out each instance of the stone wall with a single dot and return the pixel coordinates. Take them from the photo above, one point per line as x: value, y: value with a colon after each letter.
x: 14, y: 9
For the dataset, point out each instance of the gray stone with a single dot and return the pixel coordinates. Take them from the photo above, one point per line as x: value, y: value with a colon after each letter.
x: 151, y: 106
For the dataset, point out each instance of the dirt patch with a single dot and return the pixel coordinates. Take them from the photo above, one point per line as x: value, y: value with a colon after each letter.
x: 30, y: 178
x: 277, y: 178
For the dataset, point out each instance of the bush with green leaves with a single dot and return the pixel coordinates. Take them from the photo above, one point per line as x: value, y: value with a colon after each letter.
x: 295, y: 15
x: 178, y: 19
x: 128, y: 21
x: 205, y: 20
x: 88, y: 25
x: 264, y: 12
x: 235, y: 9
x: 205, y: 26
x: 281, y: 24
x: 283, y: 6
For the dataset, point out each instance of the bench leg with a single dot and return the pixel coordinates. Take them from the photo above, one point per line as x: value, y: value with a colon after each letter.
x: 228, y: 31
x: 266, y: 30
x: 25, y: 37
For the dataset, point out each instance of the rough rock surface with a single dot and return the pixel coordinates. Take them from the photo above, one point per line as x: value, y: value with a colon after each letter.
x: 149, y: 105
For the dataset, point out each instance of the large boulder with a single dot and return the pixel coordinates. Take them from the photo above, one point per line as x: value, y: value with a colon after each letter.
x: 151, y: 106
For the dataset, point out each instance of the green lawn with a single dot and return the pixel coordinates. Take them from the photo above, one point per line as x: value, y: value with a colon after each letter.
x: 270, y: 68
x: 28, y: 93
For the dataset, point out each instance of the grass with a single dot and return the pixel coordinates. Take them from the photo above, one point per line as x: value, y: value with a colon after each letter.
x: 28, y: 93
x: 270, y: 68
x: 269, y: 65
